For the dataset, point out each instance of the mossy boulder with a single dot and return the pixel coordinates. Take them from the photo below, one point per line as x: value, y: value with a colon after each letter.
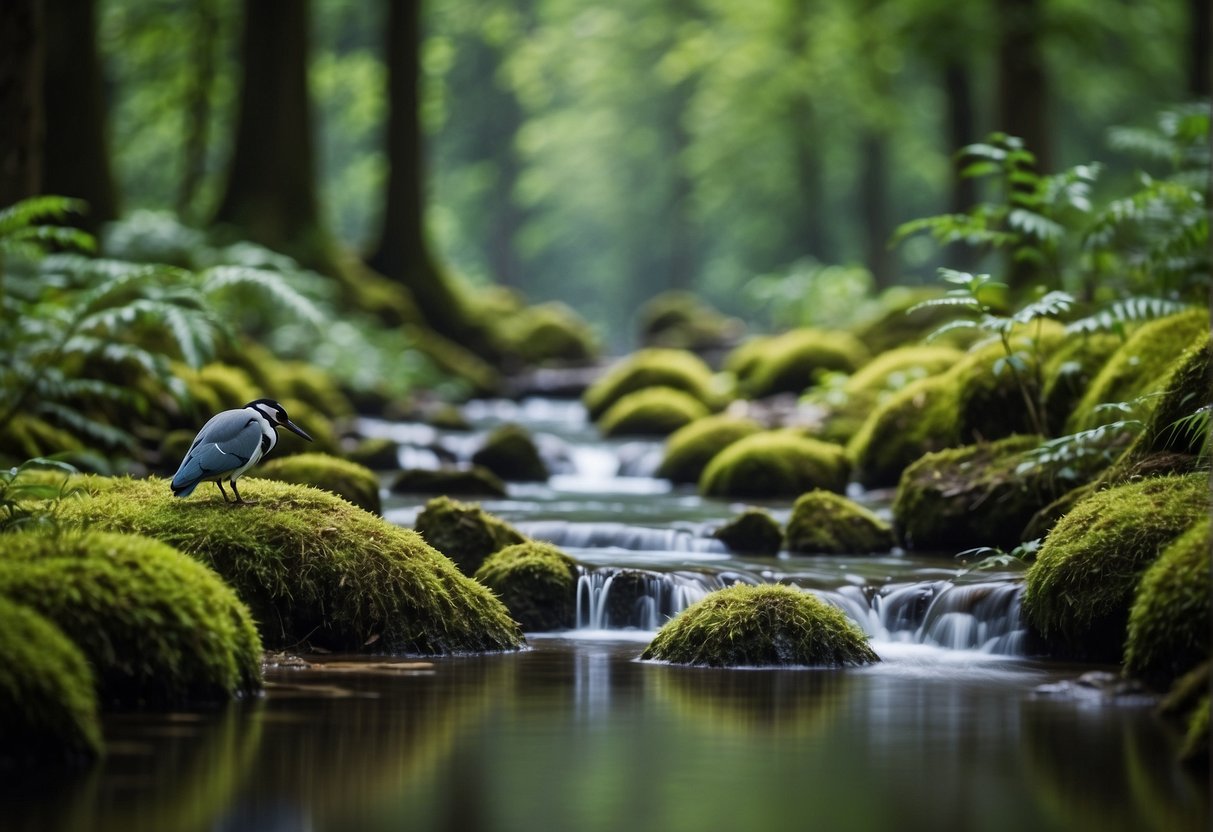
x: 990, y: 401
x: 346, y: 479
x: 918, y: 419
x: 376, y: 452
x: 1080, y: 589
x: 159, y: 629
x: 1171, y: 619
x: 1136, y: 368
x: 47, y: 695
x: 793, y: 361
x: 824, y: 523
x: 536, y: 581
x: 977, y: 495
x: 683, y: 320
x: 690, y: 448
x: 510, y: 453
x: 754, y: 531
x: 654, y: 411
x: 761, y: 626
x: 465, y: 533
x: 313, y: 568
x: 476, y: 481
x: 1070, y: 370
x: 549, y: 333
x: 678, y: 369
x: 775, y: 464
x: 899, y: 324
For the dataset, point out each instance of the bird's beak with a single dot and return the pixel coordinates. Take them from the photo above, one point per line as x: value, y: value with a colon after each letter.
x: 291, y: 426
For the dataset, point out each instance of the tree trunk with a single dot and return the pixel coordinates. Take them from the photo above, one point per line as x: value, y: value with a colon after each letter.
x: 270, y: 196
x: 75, y: 156
x: 874, y: 205
x: 962, y: 130
x: 198, y: 104
x: 21, y: 35
x: 403, y: 252
x: 1023, y: 91
x: 1201, y: 69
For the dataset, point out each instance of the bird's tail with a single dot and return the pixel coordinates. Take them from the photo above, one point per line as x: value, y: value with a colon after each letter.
x: 183, y: 489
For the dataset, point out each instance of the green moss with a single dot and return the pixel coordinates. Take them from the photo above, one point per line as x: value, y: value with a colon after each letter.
x: 536, y: 581
x: 346, y: 479
x: 792, y: 362
x: 550, y: 333
x: 829, y: 524
x: 1070, y: 370
x: 654, y: 411
x: 775, y: 464
x: 47, y: 698
x: 158, y: 628
x: 896, y: 326
x: 690, y: 448
x: 1171, y: 619
x: 682, y: 320
x: 973, y: 496
x: 465, y: 533
x: 745, y: 357
x: 313, y: 568
x: 1195, y: 748
x: 753, y: 531
x: 1080, y: 588
x: 1187, y: 702
x: 1136, y: 368
x: 377, y: 453
x: 678, y: 369
x: 916, y: 420
x: 465, y: 482
x: 510, y: 453
x: 761, y: 626
x: 215, y: 387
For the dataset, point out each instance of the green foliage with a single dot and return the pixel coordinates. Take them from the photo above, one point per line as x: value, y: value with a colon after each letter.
x: 809, y: 294
x: 31, y: 491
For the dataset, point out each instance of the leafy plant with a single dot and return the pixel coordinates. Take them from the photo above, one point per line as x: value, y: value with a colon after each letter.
x: 993, y: 557
x: 27, y: 501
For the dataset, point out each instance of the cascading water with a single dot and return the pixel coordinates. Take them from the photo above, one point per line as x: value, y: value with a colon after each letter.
x: 632, y: 598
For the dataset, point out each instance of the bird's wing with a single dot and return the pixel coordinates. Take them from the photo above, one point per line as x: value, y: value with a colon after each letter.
x: 225, y: 443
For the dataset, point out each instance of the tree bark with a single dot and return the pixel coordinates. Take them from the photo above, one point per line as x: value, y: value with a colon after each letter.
x: 21, y: 58
x: 75, y: 157
x: 962, y: 130
x: 1201, y: 69
x: 874, y: 206
x: 1023, y: 89
x: 270, y: 196
x: 198, y: 104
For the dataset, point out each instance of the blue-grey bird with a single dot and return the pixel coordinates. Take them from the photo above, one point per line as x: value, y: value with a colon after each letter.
x: 230, y: 443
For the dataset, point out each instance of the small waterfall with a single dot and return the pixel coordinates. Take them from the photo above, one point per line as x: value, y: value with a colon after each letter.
x: 619, y: 536
x: 983, y: 616
x: 621, y: 598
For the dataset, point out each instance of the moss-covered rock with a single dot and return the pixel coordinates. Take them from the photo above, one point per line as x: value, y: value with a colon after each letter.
x: 976, y: 495
x: 689, y: 449
x: 158, y: 628
x: 761, y: 626
x: 895, y: 325
x: 990, y: 401
x: 1136, y: 368
x: 465, y: 533
x: 824, y: 523
x: 916, y: 420
x: 346, y: 479
x: 476, y: 481
x: 682, y: 320
x: 47, y: 697
x: 510, y: 453
x: 775, y: 464
x: 792, y: 362
x: 1171, y: 618
x: 1080, y: 588
x: 313, y: 568
x: 377, y: 453
x: 745, y: 357
x: 549, y: 333
x: 754, y: 531
x: 654, y: 411
x: 678, y: 369
x: 536, y: 581
x: 1070, y: 370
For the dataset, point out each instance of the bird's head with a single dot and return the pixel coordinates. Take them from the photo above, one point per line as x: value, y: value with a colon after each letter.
x: 276, y: 415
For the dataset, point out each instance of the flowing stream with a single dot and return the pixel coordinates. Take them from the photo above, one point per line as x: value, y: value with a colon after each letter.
x: 961, y: 726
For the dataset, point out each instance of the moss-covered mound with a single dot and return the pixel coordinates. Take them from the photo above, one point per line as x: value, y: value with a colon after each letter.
x: 689, y: 449
x: 346, y: 479
x: 1080, y: 588
x: 47, y: 697
x: 158, y: 628
x: 536, y: 581
x: 990, y: 402
x: 1171, y: 619
x: 465, y: 533
x: 549, y: 333
x: 754, y: 531
x: 682, y: 320
x: 313, y: 568
x: 654, y: 411
x: 896, y: 326
x: 775, y: 464
x: 678, y: 369
x: 1070, y: 370
x: 916, y: 420
x: 510, y: 453
x: 824, y: 523
x: 1136, y: 368
x: 377, y: 453
x: 792, y: 362
x: 476, y: 481
x: 761, y: 626
x: 976, y: 495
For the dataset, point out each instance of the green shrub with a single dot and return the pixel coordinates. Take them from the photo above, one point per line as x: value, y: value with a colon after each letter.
x: 775, y: 464
x: 346, y: 479
x: 510, y: 453
x: 678, y: 369
x: 159, y: 629
x: 829, y: 524
x: 689, y: 449
x: 465, y: 533
x: 753, y: 531
x: 654, y: 411
x: 536, y: 581
x: 761, y: 626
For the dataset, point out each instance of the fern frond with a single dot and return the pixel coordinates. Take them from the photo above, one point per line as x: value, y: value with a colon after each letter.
x: 270, y: 285
x: 39, y: 209
x: 1125, y: 311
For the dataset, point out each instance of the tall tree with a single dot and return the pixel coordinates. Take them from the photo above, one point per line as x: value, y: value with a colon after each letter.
x: 75, y: 158
x: 1023, y: 83
x: 20, y: 99
x: 1200, y: 14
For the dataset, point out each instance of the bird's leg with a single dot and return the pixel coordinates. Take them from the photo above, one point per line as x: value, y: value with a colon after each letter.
x: 239, y: 499
x: 224, y: 493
